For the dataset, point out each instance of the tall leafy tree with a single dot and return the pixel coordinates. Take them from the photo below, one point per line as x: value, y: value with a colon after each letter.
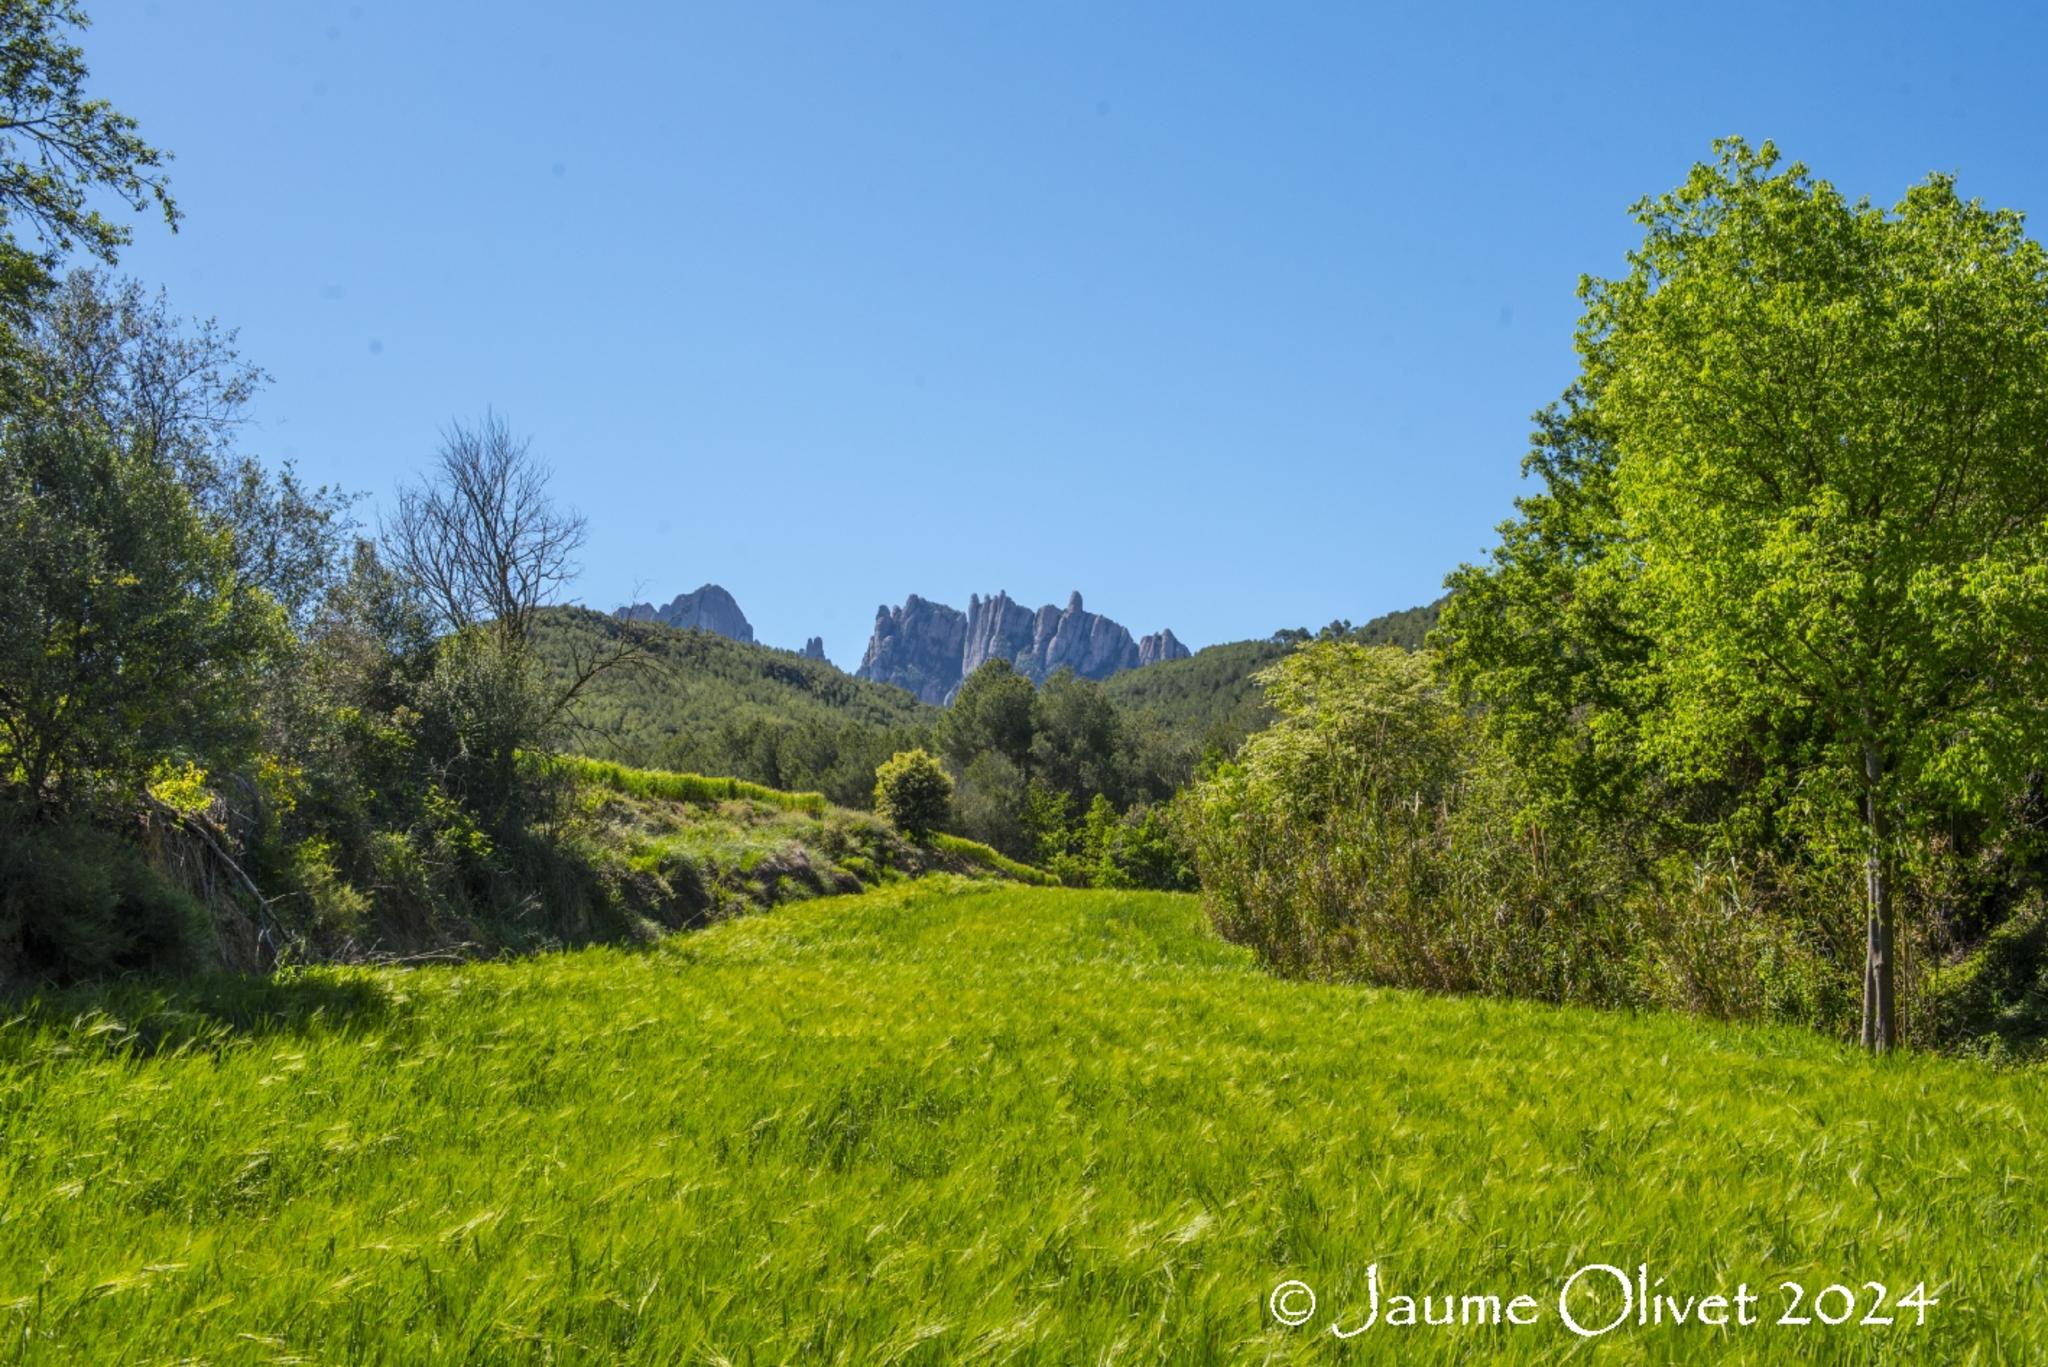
x: 105, y: 355
x: 1829, y: 422
x: 1543, y: 636
x: 126, y: 635
x: 1080, y: 747
x: 59, y: 146
x: 991, y: 712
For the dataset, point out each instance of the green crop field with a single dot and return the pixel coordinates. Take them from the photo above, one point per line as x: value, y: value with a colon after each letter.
x: 946, y: 1121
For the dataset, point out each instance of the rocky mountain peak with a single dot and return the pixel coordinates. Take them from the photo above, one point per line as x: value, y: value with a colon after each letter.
x: 1160, y: 647
x: 709, y: 608
x: 928, y: 648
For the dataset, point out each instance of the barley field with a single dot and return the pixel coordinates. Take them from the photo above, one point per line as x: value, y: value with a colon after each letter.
x: 959, y: 1122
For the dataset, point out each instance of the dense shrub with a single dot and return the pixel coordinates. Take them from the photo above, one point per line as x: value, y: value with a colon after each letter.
x: 1374, y: 831
x: 1994, y: 1000
x: 1144, y: 847
x: 78, y: 903
x: 913, y: 794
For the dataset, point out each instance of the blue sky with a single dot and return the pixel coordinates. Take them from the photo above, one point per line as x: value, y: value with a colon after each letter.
x: 1231, y: 317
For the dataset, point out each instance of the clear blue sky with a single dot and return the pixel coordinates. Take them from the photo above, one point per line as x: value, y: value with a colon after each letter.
x: 1229, y: 316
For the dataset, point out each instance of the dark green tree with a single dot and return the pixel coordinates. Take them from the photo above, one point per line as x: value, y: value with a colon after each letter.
x: 107, y: 356
x: 991, y: 713
x: 126, y: 635
x: 1079, y: 747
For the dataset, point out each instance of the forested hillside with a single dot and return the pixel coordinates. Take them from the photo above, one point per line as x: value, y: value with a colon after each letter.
x: 1072, y: 773
x: 1209, y: 702
x: 701, y: 702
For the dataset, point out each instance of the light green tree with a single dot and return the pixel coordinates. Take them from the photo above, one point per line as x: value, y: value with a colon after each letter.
x: 912, y: 793
x: 1828, y: 423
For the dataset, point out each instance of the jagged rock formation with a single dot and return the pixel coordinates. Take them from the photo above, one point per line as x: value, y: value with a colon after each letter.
x: 1161, y: 645
x: 710, y: 608
x: 917, y: 647
x: 928, y: 648
x: 814, y: 648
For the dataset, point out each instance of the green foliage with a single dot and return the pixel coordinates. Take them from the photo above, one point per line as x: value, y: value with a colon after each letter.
x: 483, y: 701
x: 995, y: 803
x: 78, y: 903
x: 180, y: 787
x: 1407, y: 629
x: 992, y: 713
x: 913, y: 794
x: 1079, y: 745
x: 126, y: 638
x: 1828, y: 421
x: 592, y: 1156
x: 672, y: 787
x: 706, y: 704
x: 59, y: 147
x: 1544, y: 639
x: 1375, y: 831
x: 1143, y: 847
x: 334, y: 909
x: 106, y: 357
x: 1788, y: 378
x: 1319, y: 846
x: 1776, y: 607
x: 1182, y: 713
x: 1994, y: 999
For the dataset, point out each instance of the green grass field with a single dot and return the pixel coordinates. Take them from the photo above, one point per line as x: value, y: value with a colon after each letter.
x: 963, y: 1122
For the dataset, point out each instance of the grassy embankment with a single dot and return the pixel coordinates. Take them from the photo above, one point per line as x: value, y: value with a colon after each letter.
x: 689, y: 848
x: 944, y: 1122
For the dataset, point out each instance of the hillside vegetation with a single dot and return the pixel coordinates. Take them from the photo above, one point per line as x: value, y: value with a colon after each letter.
x: 1072, y: 775
x: 942, y: 1123
x: 1211, y: 702
x: 1206, y: 700
x: 706, y: 704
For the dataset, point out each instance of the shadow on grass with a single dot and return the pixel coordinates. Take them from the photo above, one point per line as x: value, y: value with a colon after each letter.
x: 147, y: 1017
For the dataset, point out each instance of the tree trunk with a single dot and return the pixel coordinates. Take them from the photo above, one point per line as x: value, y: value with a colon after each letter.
x: 1880, y: 1001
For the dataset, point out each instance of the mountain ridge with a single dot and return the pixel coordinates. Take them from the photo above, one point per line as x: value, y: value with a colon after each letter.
x: 710, y: 607
x: 928, y: 648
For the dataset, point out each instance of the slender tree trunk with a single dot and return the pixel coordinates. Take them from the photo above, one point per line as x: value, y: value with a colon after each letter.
x: 1880, y: 1001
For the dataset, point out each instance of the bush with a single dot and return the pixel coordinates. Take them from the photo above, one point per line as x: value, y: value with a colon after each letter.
x: 77, y: 903
x: 1374, y: 832
x: 1319, y: 848
x: 912, y: 793
x: 332, y: 908
x: 1994, y: 1000
x: 991, y: 803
